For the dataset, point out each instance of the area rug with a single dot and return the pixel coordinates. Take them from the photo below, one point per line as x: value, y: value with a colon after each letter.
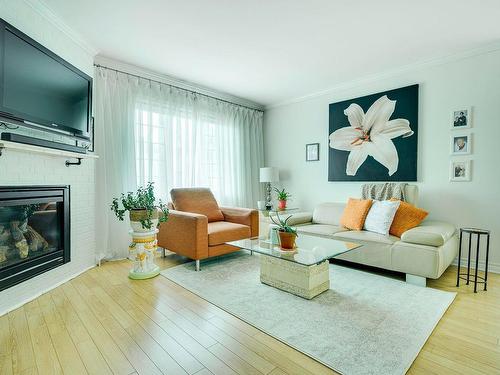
x: 365, y: 323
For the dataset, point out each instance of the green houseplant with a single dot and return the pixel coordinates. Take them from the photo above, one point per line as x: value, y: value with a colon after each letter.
x: 282, y: 196
x: 144, y: 211
x: 286, y: 233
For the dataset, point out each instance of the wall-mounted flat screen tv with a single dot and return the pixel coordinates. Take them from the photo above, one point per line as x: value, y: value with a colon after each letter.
x: 38, y: 87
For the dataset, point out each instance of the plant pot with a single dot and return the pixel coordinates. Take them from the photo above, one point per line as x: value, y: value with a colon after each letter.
x: 140, y: 214
x: 281, y: 204
x: 287, y: 240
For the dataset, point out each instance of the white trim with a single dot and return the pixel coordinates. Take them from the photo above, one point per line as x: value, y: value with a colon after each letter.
x: 42, y: 9
x: 53, y: 286
x: 493, y: 47
x: 492, y: 267
x: 170, y: 80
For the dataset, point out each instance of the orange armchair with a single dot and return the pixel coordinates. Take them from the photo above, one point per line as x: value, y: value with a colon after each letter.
x: 198, y: 228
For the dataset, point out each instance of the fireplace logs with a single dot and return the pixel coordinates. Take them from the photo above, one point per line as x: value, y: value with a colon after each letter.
x: 18, y: 239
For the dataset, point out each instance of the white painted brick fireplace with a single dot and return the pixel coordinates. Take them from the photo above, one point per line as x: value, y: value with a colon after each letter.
x: 25, y: 168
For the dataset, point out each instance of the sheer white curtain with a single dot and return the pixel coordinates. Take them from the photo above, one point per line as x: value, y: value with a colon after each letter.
x: 147, y: 131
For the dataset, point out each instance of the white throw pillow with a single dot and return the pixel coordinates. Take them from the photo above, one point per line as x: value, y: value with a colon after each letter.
x: 380, y: 216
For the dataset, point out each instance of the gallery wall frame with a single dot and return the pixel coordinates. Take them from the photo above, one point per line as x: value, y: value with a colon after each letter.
x: 461, y: 143
x: 461, y: 118
x: 460, y: 170
x: 312, y: 152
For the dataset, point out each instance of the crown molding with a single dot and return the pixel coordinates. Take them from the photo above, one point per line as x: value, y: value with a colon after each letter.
x: 489, y: 48
x: 173, y: 81
x: 43, y: 10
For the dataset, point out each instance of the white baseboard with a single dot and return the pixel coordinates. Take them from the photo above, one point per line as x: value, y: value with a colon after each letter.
x: 66, y: 279
x: 492, y: 267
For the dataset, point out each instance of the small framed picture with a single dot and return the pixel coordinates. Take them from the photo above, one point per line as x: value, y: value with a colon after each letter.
x: 312, y: 152
x: 460, y: 170
x: 461, y: 143
x: 461, y: 118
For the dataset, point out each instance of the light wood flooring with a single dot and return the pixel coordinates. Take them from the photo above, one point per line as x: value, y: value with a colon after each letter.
x: 103, y: 323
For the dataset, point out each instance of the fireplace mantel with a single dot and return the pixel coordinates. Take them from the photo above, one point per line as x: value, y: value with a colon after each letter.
x: 6, y: 145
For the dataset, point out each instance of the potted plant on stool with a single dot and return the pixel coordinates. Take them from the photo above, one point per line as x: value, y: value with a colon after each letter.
x: 145, y: 215
x: 286, y: 233
x: 144, y: 212
x: 283, y: 196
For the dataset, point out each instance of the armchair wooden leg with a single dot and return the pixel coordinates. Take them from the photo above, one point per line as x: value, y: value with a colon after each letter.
x: 197, y: 265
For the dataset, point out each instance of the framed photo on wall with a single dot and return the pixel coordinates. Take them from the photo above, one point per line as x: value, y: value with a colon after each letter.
x: 460, y: 170
x: 374, y: 137
x: 461, y: 143
x: 312, y: 152
x: 461, y: 118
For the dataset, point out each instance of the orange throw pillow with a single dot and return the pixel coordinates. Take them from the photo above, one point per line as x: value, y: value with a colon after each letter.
x: 407, y: 216
x: 355, y: 213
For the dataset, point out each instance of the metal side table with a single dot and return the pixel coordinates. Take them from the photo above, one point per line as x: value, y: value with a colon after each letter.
x: 466, y: 276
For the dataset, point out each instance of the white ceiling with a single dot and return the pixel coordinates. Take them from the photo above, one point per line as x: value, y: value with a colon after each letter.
x: 270, y: 51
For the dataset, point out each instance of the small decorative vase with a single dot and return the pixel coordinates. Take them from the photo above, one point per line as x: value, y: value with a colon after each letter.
x: 287, y: 240
x: 143, y: 246
x: 137, y: 215
x: 281, y: 204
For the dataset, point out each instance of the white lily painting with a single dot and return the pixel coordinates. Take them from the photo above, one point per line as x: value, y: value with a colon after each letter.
x: 371, y: 134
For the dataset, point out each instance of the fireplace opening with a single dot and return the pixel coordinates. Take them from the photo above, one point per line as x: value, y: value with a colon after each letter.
x: 34, y: 231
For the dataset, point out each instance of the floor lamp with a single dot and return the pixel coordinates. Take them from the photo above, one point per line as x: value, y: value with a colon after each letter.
x: 268, y: 175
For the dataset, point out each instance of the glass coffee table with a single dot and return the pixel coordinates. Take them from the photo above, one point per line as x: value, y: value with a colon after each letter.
x: 303, y: 271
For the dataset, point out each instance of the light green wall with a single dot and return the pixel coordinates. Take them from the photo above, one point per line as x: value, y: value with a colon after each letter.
x: 471, y: 81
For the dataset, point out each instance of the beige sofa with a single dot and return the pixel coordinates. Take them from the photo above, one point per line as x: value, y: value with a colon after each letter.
x: 422, y: 252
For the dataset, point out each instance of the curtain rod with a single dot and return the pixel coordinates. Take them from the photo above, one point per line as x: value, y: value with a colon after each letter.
x: 177, y: 87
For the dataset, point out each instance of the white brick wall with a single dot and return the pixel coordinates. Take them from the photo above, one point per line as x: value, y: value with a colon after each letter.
x: 18, y: 168
x: 22, y: 168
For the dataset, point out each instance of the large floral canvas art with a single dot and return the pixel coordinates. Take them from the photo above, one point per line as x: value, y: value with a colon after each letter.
x: 374, y: 137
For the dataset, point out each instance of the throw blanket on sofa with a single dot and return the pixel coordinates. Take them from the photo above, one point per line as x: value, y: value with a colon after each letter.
x: 384, y: 191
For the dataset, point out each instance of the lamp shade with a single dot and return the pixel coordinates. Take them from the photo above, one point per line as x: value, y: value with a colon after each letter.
x: 269, y: 174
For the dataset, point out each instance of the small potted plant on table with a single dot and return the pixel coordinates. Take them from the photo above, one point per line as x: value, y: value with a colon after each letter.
x: 286, y: 233
x: 283, y: 196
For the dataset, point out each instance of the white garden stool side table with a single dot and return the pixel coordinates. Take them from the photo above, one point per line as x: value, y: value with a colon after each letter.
x: 144, y: 246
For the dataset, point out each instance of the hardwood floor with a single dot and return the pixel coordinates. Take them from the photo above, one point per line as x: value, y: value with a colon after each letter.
x: 103, y: 323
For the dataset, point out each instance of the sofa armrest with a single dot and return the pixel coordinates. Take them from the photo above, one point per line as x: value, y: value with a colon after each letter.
x: 297, y: 218
x: 243, y: 216
x: 431, y: 233
x: 185, y: 233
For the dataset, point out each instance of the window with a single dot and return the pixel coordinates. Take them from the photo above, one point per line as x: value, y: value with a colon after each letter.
x: 178, y: 151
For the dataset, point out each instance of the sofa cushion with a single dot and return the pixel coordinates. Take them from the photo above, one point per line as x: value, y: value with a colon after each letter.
x: 355, y: 212
x: 320, y: 229
x: 407, y: 217
x: 220, y: 232
x: 380, y: 216
x: 432, y: 233
x: 197, y: 200
x: 328, y: 213
x: 365, y: 236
